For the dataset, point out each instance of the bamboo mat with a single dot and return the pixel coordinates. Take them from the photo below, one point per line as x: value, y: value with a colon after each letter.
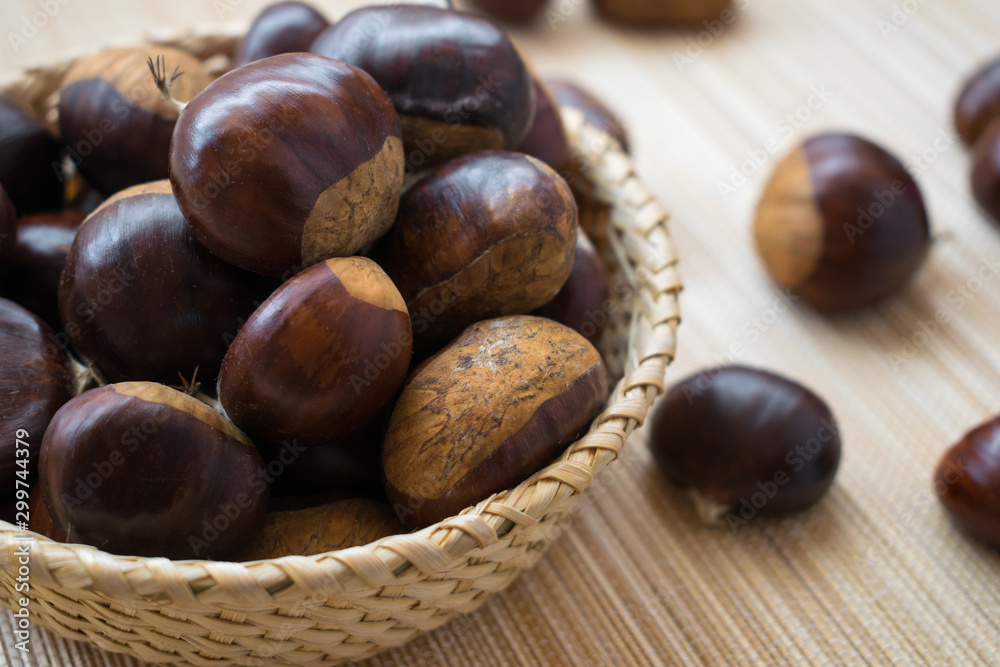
x: 874, y: 574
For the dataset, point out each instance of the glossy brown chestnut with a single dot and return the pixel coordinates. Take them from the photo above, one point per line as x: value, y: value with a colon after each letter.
x: 43, y: 243
x: 315, y: 530
x: 287, y: 161
x: 284, y: 27
x: 842, y: 224
x: 39, y: 519
x: 8, y: 231
x: 646, y: 13
x: 571, y: 95
x: 36, y: 381
x: 28, y: 154
x: 142, y: 299
x: 457, y: 80
x: 745, y: 442
x: 487, y: 234
x: 115, y: 123
x: 547, y: 139
x: 321, y: 357
x: 583, y: 304
x: 512, y: 11
x: 986, y: 171
x: 978, y: 103
x: 967, y: 481
x: 490, y: 409
x: 140, y: 469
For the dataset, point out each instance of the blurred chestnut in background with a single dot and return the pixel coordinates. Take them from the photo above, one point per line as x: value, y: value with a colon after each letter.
x: 571, y: 95
x: 8, y: 231
x: 745, y: 442
x: 487, y: 411
x: 841, y: 223
x: 547, y: 139
x: 140, y: 469
x: 646, y: 13
x: 978, y: 103
x: 115, y: 122
x: 284, y: 27
x: 582, y: 304
x: 43, y: 243
x: 35, y: 381
x: 457, y: 80
x: 488, y: 234
x: 512, y: 11
x: 287, y: 161
x: 321, y: 357
x: 142, y: 299
x: 28, y: 152
x: 967, y: 481
x: 986, y: 171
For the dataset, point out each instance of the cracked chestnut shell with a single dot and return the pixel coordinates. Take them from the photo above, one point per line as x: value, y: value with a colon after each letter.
x: 284, y: 27
x: 27, y: 152
x: 841, y: 223
x: 487, y: 234
x: 321, y: 357
x: 457, y: 80
x: 978, y: 103
x: 142, y: 299
x: 547, y: 139
x: 140, y: 469
x: 967, y: 481
x: 115, y: 123
x: 745, y: 442
x: 582, y: 304
x: 644, y: 13
x: 288, y: 161
x: 986, y: 171
x: 491, y: 408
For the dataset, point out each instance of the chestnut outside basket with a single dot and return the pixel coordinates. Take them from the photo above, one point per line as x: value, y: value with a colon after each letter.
x: 353, y: 603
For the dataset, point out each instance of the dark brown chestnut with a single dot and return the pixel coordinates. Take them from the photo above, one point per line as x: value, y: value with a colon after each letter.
x: 571, y: 95
x: 583, y: 304
x: 967, y: 481
x: 321, y: 357
x: 986, y: 171
x: 457, y: 80
x: 841, y: 224
x: 547, y: 139
x: 487, y: 234
x: 140, y: 469
x: 8, y: 231
x: 43, y: 243
x: 284, y: 27
x: 745, y: 442
x: 646, y: 13
x: 287, y: 161
x: 490, y: 409
x: 511, y: 11
x: 115, y: 123
x: 142, y: 299
x: 978, y: 103
x: 40, y: 520
x: 30, y: 160
x: 35, y: 381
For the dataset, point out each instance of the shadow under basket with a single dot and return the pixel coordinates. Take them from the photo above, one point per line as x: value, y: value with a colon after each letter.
x: 353, y: 603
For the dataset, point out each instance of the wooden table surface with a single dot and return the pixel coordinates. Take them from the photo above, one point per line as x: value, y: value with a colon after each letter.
x: 875, y: 574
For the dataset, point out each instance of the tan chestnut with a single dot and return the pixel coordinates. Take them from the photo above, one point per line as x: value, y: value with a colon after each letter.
x: 487, y: 411
x: 665, y: 12
x: 315, y: 530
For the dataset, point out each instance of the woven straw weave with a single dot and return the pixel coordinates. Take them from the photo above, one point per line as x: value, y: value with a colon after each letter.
x: 350, y: 604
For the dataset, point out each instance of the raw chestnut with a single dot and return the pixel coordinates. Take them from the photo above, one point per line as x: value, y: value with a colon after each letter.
x: 287, y: 161
x: 8, y: 231
x: 39, y: 519
x: 547, y: 139
x: 645, y: 13
x: 43, y: 243
x: 842, y: 224
x: 487, y: 234
x: 35, y: 381
x: 978, y: 104
x: 113, y: 118
x: 27, y: 152
x: 317, y: 530
x: 490, y: 409
x: 142, y: 299
x: 571, y: 95
x: 284, y: 27
x: 140, y: 469
x: 967, y: 481
x: 582, y: 304
x: 512, y: 11
x: 745, y: 442
x: 321, y: 357
x: 457, y: 80
x: 986, y: 171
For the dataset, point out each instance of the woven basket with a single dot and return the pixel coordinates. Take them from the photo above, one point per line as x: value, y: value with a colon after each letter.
x: 350, y: 604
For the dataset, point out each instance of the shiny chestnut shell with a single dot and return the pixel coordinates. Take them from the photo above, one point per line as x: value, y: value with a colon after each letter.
x: 978, y: 103
x: 8, y: 231
x: 287, y: 161
x: 142, y: 299
x: 456, y: 80
x: 842, y: 223
x: 284, y: 27
x: 115, y: 122
x: 967, y: 481
x: 321, y: 357
x: 27, y: 152
x: 140, y: 469
x: 986, y: 171
x: 582, y: 304
x: 43, y: 243
x: 573, y: 96
x: 547, y: 138
x: 745, y: 442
